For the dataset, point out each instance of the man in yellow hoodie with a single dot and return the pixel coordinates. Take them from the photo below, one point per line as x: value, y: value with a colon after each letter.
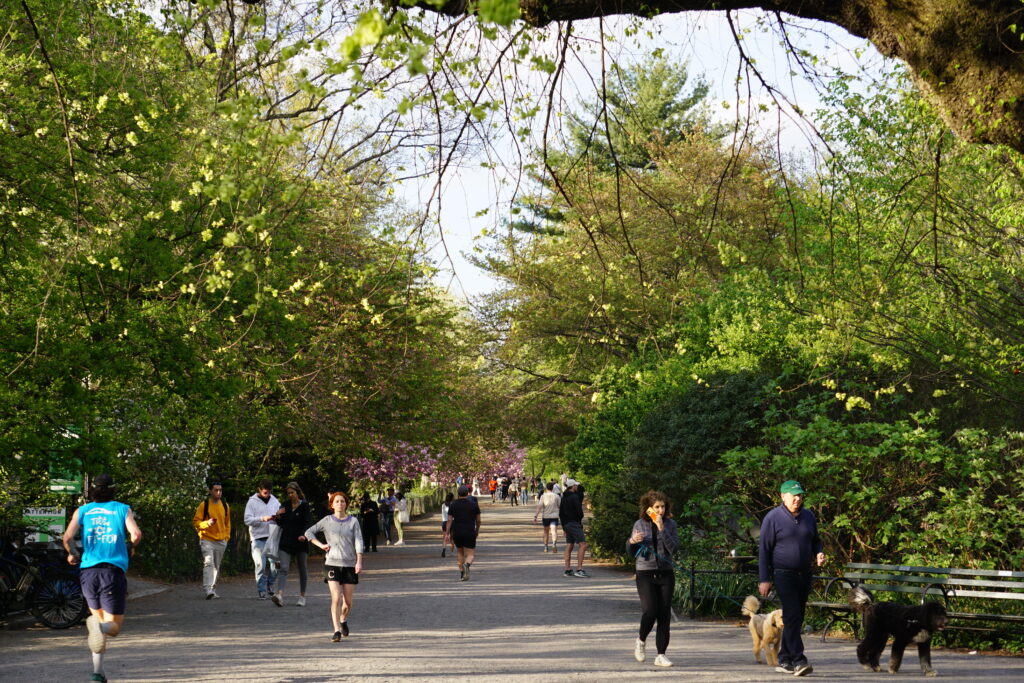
x: 213, y: 522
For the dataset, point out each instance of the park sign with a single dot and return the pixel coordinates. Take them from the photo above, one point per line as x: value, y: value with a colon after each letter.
x: 63, y: 481
x: 65, y: 473
x: 46, y: 524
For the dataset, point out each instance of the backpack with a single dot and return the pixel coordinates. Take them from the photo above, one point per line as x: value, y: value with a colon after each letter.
x: 206, y: 508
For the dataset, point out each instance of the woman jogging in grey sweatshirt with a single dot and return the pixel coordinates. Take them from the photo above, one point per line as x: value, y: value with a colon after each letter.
x: 344, y: 548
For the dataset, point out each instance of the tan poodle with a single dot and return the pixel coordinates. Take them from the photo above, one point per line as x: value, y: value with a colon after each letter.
x: 765, y: 630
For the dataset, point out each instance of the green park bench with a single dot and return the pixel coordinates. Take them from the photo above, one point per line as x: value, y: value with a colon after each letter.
x: 982, y: 590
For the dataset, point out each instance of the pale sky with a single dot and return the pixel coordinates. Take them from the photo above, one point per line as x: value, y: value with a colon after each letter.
x: 704, y: 41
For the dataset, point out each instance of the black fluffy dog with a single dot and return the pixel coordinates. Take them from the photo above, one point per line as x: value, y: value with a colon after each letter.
x: 905, y: 623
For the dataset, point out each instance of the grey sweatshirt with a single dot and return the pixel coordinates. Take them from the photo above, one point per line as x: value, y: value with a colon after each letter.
x: 344, y: 537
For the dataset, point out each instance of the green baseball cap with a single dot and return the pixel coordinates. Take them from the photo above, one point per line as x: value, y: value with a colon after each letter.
x: 792, y: 486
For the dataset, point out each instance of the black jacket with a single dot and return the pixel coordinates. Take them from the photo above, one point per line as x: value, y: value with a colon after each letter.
x: 293, y: 523
x: 571, y: 508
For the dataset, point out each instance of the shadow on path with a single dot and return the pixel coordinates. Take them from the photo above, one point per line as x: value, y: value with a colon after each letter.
x: 518, y: 619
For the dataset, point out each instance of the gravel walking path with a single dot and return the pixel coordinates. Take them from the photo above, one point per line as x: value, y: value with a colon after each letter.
x: 518, y: 619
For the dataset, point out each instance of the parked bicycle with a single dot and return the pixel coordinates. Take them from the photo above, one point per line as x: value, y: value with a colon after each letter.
x: 40, y: 582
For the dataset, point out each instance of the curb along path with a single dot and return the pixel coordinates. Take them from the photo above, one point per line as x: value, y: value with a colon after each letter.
x: 518, y: 619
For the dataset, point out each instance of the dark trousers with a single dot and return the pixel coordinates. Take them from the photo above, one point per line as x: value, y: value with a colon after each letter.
x: 369, y: 537
x: 792, y: 587
x: 655, y: 589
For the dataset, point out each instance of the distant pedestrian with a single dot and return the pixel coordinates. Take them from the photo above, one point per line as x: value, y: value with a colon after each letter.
x: 260, y: 511
x: 387, y: 513
x: 370, y: 513
x: 464, y: 524
x: 294, y: 521
x: 492, y: 487
x: 401, y: 516
x: 344, y: 562
x: 653, y: 542
x: 212, y: 521
x: 570, y: 513
x: 547, y: 510
x: 109, y: 537
x: 446, y: 538
x: 789, y: 548
x: 513, y: 491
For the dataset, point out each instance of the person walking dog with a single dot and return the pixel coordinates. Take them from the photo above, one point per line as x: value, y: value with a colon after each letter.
x: 789, y: 547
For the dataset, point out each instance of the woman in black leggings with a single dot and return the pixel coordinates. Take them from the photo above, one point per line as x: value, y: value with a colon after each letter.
x: 653, y: 542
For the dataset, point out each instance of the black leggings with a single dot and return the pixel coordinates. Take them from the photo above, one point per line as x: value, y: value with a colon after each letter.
x: 655, y: 589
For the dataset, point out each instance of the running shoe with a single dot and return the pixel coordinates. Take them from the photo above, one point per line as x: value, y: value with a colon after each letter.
x: 467, y: 572
x: 97, y: 638
x: 640, y: 650
x: 443, y: 551
x: 567, y: 572
x: 785, y: 668
x: 662, y: 660
x: 261, y: 595
x: 344, y: 628
x: 99, y: 678
x: 462, y: 575
x: 580, y: 574
x: 209, y: 595
x: 802, y: 669
x: 336, y: 638
x: 301, y: 602
x: 276, y: 599
x: 400, y: 543
x: 545, y: 547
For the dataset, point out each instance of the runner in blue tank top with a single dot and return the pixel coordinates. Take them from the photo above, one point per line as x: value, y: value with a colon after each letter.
x: 106, y: 526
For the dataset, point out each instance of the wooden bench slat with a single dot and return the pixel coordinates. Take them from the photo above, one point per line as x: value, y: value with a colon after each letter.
x: 903, y: 588
x: 986, y: 617
x: 866, y: 576
x: 1001, y: 573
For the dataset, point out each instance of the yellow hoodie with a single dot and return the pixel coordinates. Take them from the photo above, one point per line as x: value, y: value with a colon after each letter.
x: 220, y: 531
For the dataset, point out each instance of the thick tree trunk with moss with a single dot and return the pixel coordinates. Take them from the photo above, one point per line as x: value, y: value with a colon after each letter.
x: 968, y: 55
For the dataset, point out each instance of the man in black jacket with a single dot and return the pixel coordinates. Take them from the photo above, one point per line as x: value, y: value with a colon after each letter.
x: 570, y: 514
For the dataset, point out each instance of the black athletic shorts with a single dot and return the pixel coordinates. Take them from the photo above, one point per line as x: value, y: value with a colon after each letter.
x: 340, y: 574
x: 464, y: 540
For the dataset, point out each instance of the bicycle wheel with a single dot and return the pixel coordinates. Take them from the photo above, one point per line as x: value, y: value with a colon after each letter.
x: 57, y: 601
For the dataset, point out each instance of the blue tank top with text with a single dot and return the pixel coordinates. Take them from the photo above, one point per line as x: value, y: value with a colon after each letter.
x: 104, y: 534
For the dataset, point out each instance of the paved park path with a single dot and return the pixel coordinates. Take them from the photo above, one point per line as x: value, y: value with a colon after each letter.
x: 518, y: 619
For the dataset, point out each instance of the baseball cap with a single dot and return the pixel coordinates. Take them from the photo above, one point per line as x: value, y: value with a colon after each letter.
x: 104, y: 480
x: 463, y: 490
x: 792, y: 486
x: 570, y: 482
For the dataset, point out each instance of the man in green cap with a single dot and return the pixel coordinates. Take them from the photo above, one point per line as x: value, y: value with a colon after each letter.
x: 789, y: 548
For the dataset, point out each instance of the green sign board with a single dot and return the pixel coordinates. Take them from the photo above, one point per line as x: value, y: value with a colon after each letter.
x: 47, y: 524
x: 67, y: 476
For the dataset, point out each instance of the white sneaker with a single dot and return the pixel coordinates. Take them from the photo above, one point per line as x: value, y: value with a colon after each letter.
x: 97, y: 638
x: 640, y: 651
x: 662, y: 660
x: 276, y: 599
x: 400, y: 543
x: 301, y: 602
